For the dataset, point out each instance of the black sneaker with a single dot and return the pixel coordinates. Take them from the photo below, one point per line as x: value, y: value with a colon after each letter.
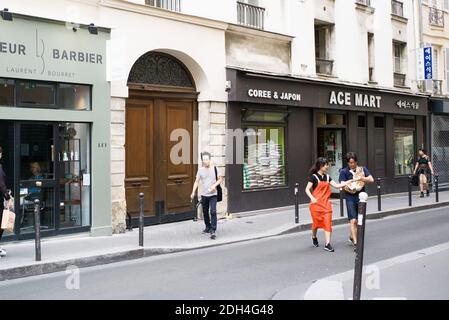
x: 329, y: 248
x: 428, y: 193
x: 213, y: 235
x: 352, y: 241
x: 422, y: 195
x: 207, y: 230
x: 315, y: 242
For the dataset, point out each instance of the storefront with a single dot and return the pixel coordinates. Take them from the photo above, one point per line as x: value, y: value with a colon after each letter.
x: 288, y: 122
x: 55, y: 125
x: 439, y: 138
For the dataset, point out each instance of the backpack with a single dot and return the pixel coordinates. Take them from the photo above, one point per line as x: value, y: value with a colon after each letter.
x: 219, y: 189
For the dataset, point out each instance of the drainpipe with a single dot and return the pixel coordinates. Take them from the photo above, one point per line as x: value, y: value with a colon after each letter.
x: 420, y: 24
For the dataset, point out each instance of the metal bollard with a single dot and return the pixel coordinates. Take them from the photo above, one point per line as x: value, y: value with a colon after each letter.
x: 358, y: 269
x: 437, y: 191
x: 37, y: 229
x: 379, y: 195
x: 342, y: 210
x: 410, y: 191
x: 141, y: 221
x: 297, y: 203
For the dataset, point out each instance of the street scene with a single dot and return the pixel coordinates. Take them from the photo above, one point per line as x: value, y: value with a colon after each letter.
x: 224, y: 151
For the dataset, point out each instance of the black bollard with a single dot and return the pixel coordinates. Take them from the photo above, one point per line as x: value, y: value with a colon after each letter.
x: 37, y: 229
x: 358, y: 269
x: 410, y: 191
x: 297, y: 203
x: 342, y: 210
x: 379, y: 195
x: 437, y: 191
x: 141, y: 221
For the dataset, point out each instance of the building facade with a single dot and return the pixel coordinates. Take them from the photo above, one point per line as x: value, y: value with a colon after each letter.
x: 302, y: 78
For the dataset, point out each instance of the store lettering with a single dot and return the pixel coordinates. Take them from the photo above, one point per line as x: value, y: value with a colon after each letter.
x: 12, y: 48
x: 358, y: 100
x: 77, y: 56
x: 268, y: 94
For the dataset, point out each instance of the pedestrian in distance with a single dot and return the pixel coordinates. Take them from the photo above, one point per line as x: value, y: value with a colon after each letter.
x: 360, y: 176
x: 210, y: 180
x: 319, y: 191
x: 5, y: 198
x: 423, y: 169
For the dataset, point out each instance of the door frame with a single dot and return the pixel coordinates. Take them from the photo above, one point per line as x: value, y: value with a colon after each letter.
x: 56, y: 230
x: 142, y: 92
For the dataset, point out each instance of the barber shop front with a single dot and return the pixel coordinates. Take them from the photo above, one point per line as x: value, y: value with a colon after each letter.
x: 289, y: 122
x: 54, y: 125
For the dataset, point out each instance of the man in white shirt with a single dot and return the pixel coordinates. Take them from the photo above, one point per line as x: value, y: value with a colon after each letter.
x: 210, y: 179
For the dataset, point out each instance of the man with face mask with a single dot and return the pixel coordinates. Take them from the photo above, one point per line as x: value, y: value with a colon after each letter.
x: 210, y: 179
x: 360, y: 176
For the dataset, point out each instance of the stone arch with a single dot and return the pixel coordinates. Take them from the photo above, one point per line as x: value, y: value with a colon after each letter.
x: 159, y: 68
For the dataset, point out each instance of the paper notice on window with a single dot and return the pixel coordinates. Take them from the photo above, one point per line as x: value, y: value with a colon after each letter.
x: 86, y: 179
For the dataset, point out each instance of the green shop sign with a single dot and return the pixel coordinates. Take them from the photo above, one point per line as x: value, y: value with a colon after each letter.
x: 37, y: 49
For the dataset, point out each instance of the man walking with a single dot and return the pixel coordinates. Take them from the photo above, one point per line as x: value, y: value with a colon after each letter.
x: 360, y: 176
x: 210, y: 179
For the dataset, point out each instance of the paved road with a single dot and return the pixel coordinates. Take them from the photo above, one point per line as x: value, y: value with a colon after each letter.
x: 260, y: 269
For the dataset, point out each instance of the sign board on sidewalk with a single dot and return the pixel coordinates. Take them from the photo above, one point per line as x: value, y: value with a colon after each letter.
x: 425, y: 63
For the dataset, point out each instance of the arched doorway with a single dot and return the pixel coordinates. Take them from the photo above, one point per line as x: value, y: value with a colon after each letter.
x: 162, y: 98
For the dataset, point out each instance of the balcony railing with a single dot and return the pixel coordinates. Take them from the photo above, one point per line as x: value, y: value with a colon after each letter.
x: 436, y: 17
x: 364, y: 2
x: 399, y: 79
x: 397, y: 8
x: 324, y: 66
x: 250, y: 16
x: 172, y: 5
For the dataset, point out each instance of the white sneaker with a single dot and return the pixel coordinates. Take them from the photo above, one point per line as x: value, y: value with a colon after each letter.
x: 2, y: 252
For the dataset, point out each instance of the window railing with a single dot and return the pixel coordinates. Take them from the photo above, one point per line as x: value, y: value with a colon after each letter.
x: 172, y: 5
x: 364, y: 2
x: 399, y: 79
x: 250, y: 16
x: 324, y: 66
x: 397, y: 8
x: 436, y: 17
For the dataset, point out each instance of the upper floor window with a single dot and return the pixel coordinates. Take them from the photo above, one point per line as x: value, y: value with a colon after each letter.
x: 172, y: 5
x: 250, y: 14
x: 364, y: 2
x: 399, y: 54
x: 46, y: 95
x: 397, y: 8
x: 323, y: 48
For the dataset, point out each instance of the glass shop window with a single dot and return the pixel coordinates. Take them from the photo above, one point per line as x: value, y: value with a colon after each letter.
x: 404, y: 146
x: 6, y: 93
x: 36, y: 94
x: 264, y: 150
x: 74, y: 97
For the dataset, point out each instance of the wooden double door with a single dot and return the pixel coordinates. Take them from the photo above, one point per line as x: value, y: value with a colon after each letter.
x: 155, y: 165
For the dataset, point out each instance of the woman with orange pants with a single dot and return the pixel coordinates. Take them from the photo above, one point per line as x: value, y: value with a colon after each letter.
x: 319, y: 191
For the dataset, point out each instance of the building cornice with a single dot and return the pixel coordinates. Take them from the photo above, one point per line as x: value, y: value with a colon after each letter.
x: 162, y: 13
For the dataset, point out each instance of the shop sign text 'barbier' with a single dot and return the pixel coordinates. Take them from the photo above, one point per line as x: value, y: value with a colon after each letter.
x: 342, y: 98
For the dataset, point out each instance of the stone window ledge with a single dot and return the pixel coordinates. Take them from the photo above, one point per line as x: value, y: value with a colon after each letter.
x: 399, y: 18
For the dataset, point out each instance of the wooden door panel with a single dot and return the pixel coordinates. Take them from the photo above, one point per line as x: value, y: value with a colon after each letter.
x: 139, y: 153
x: 179, y: 176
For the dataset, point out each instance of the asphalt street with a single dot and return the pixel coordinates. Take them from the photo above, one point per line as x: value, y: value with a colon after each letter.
x: 261, y: 269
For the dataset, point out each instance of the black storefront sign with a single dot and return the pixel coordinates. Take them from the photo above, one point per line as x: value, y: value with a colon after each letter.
x: 264, y: 89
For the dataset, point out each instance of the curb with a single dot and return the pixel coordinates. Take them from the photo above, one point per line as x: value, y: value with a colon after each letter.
x: 41, y: 268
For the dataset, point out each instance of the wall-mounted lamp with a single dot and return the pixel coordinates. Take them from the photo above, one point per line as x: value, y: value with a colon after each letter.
x: 6, y: 15
x: 92, y: 29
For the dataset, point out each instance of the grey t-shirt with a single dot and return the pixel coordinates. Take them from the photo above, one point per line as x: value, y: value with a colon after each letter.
x: 207, y: 179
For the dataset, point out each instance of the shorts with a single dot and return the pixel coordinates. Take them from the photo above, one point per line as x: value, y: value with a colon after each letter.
x: 352, y: 206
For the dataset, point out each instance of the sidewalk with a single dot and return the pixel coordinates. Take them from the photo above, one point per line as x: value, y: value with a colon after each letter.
x: 83, y: 250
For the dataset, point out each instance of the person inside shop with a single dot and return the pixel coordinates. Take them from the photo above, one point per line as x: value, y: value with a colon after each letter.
x: 360, y: 176
x: 36, y: 174
x: 423, y: 169
x: 210, y: 179
x: 5, y: 199
x: 319, y: 191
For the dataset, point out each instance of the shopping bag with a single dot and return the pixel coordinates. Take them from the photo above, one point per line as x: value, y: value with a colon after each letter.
x: 8, y: 220
x: 415, y: 180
